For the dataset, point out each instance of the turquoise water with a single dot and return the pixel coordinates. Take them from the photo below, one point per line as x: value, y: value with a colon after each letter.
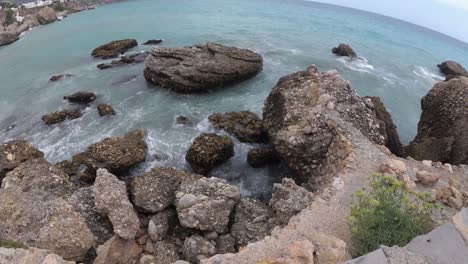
x: 398, y: 63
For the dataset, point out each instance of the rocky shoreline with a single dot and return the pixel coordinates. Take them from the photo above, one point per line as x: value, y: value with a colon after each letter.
x: 89, y: 209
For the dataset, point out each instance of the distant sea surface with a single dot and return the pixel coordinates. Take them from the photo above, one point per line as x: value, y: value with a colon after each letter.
x: 397, y: 62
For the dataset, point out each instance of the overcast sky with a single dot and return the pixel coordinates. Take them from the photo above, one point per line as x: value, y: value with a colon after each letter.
x: 446, y: 16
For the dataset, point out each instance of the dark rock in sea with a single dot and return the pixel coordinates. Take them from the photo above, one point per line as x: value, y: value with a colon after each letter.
x: 14, y: 153
x: 81, y: 97
x: 344, y: 50
x: 201, y: 68
x: 46, y: 15
x: 8, y: 38
x: 452, y: 68
x: 443, y: 127
x: 105, y: 110
x: 245, y: 125
x: 208, y: 151
x: 114, y: 48
x: 60, y: 116
x: 260, y: 157
x: 60, y: 77
x: 125, y: 79
x: 153, y: 42
x: 387, y: 128
x: 183, y: 120
x: 124, y: 60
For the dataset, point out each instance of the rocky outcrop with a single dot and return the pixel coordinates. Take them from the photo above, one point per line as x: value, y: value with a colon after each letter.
x: 208, y: 151
x: 114, y: 49
x: 206, y: 204
x: 60, y: 77
x: 305, y: 115
x: 259, y: 157
x: 46, y: 15
x: 81, y: 97
x: 452, y: 68
x: 8, y: 38
x: 111, y: 199
x: 201, y: 68
x: 60, y: 116
x: 14, y: 153
x: 153, y: 42
x: 125, y: 60
x: 443, y: 127
x: 30, y: 256
x: 155, y: 190
x: 344, y: 50
x: 105, y: 110
x: 34, y: 211
x: 244, y: 125
x: 118, y: 251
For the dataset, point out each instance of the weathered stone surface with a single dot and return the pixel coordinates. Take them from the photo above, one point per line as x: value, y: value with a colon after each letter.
x: 427, y: 178
x: 259, y: 157
x: 208, y: 151
x: 114, y: 49
x: 460, y: 221
x: 26, y: 193
x: 118, y: 251
x: 59, y: 77
x: 30, y: 256
x: 160, y: 224
x: 393, y: 167
x: 105, y: 110
x: 451, y: 197
x: 225, y: 244
x: 298, y: 252
x: 13, y: 153
x: 111, y: 199
x: 201, y: 68
x: 61, y: 116
x: 46, y: 15
x: 8, y: 38
x: 452, y: 68
x: 398, y: 255
x: 443, y: 127
x: 197, y: 248
x: 375, y: 257
x: 288, y: 199
x: 81, y: 97
x: 244, y: 125
x: 206, y: 204
x: 155, y: 190
x: 251, y: 222
x: 344, y: 50
x: 166, y: 252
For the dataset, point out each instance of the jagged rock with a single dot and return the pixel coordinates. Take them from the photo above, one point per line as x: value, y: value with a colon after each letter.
x: 111, y: 199
x: 225, y: 244
x: 30, y: 256
x: 307, y: 132
x: 427, y: 178
x: 82, y: 201
x: 452, y: 68
x: 61, y: 116
x: 206, y: 204
x: 344, y: 50
x: 252, y: 221
x: 208, y: 151
x: 443, y: 127
x: 60, y: 77
x: 34, y: 211
x: 160, y: 224
x: 245, y: 125
x: 288, y: 199
x: 155, y: 190
x: 393, y: 167
x: 259, y: 157
x: 387, y: 128
x: 13, y: 153
x: 153, y: 42
x: 114, y: 48
x: 81, y: 97
x: 118, y: 251
x: 201, y: 68
x: 197, y: 248
x: 105, y: 110
x: 7, y: 38
x: 46, y: 15
x: 451, y: 196
x: 124, y: 60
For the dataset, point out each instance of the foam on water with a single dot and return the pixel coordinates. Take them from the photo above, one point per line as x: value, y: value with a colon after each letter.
x: 359, y: 64
x: 427, y: 74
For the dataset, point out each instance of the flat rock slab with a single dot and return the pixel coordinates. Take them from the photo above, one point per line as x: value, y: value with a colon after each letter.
x: 376, y: 257
x: 460, y: 221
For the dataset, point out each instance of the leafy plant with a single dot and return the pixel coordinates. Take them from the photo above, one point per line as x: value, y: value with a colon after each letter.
x: 387, y: 215
x: 9, y: 19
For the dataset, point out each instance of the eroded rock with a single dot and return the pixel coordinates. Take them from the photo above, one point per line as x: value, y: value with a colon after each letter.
x: 30, y: 256
x: 244, y: 125
x: 197, y: 248
x: 60, y: 116
x: 46, y: 15
x: 118, y: 251
x: 259, y: 157
x: 114, y: 49
x: 14, y: 153
x: 344, y: 50
x: 124, y: 60
x: 81, y: 97
x: 452, y: 68
x: 105, y: 110
x: 7, y: 38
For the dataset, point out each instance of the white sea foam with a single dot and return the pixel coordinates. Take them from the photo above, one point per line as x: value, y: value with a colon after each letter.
x: 359, y: 64
x: 427, y: 74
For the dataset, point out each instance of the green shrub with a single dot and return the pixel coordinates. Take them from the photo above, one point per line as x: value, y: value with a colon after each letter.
x: 387, y: 215
x: 9, y: 19
x: 11, y: 244
x: 59, y: 7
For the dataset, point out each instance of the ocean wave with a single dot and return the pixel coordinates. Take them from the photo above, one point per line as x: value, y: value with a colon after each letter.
x: 359, y: 64
x: 427, y: 74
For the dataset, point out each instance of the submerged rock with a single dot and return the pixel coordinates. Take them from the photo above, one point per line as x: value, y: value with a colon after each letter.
x: 208, y: 151
x: 245, y: 125
x: 443, y: 127
x: 118, y: 251
x: 201, y: 68
x: 30, y: 256
x: 259, y: 157
x: 8, y: 38
x: 60, y: 77
x: 114, y: 49
x: 14, y: 153
x: 452, y: 68
x: 153, y: 42
x: 46, y: 15
x: 61, y: 116
x: 344, y: 50
x: 105, y: 110
x: 81, y: 97
x: 125, y: 60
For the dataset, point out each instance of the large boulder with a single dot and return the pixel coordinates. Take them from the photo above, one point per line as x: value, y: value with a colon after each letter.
x: 452, y: 68
x: 208, y: 151
x: 443, y: 127
x: 81, y: 97
x: 34, y: 211
x: 111, y: 199
x: 306, y: 117
x: 201, y: 68
x: 14, y: 153
x: 30, y: 256
x: 344, y: 50
x: 46, y: 15
x: 114, y: 49
x: 206, y: 204
x: 8, y: 38
x: 155, y: 190
x: 105, y: 110
x: 245, y: 125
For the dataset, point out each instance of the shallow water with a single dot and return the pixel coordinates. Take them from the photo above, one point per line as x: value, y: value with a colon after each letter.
x: 397, y: 62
